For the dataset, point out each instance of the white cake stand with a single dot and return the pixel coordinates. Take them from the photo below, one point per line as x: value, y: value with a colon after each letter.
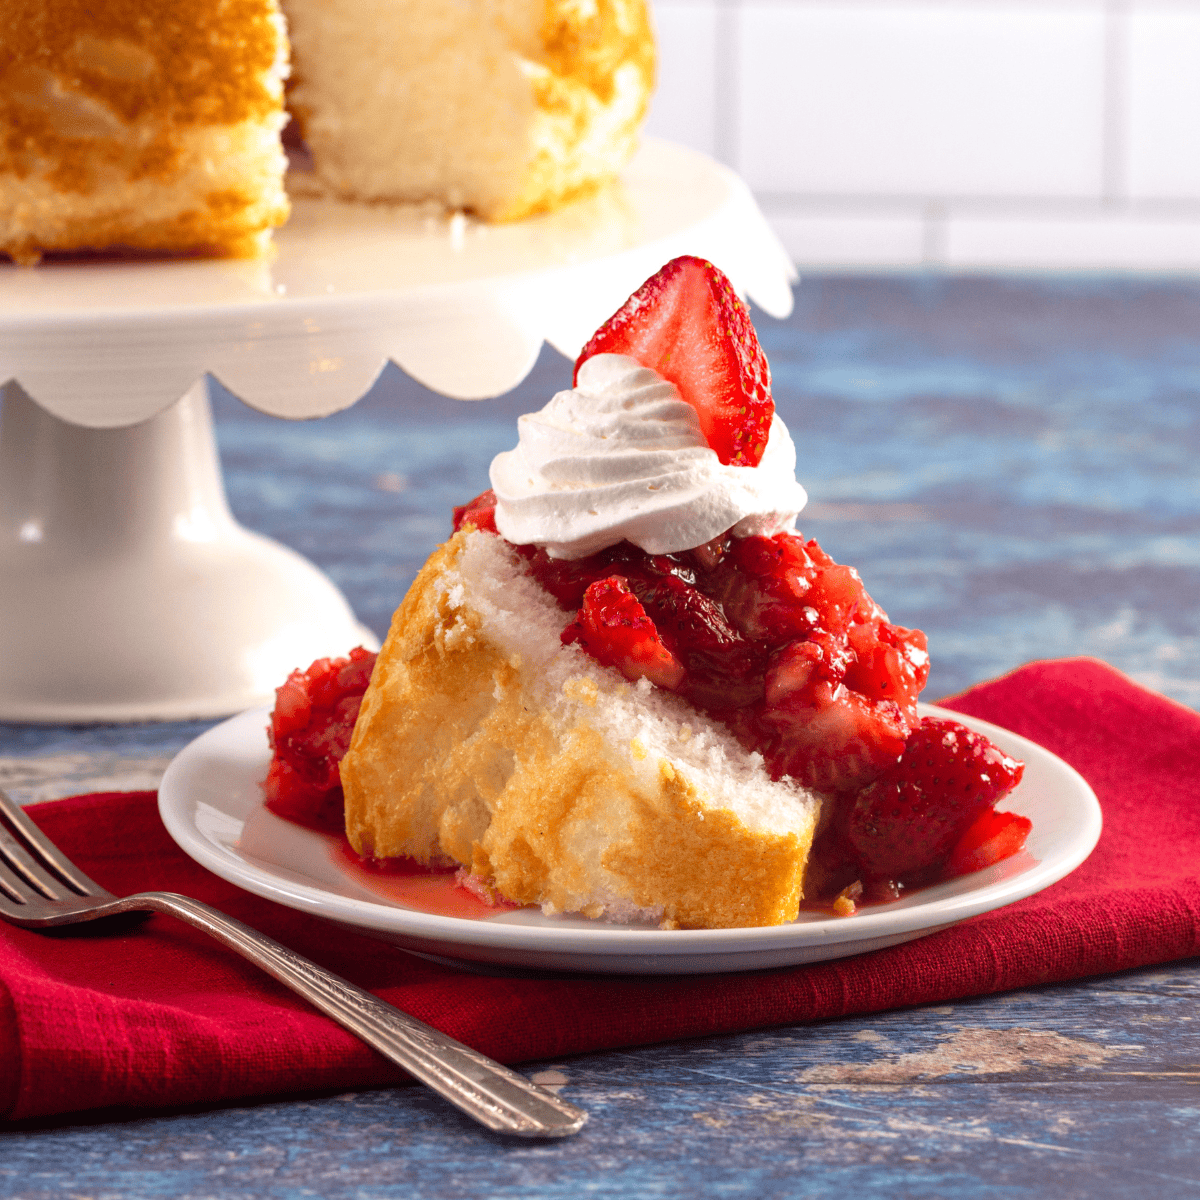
x: 127, y: 590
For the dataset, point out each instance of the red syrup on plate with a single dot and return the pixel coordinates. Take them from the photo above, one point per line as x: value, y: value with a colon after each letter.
x: 406, y: 881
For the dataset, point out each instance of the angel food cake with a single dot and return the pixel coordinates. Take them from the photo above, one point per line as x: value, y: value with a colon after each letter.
x: 485, y: 741
x: 152, y: 125
x: 628, y: 686
x: 156, y: 125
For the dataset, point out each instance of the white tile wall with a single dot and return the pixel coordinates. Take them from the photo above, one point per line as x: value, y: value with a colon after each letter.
x: 1060, y: 134
x: 1073, y: 243
x: 1164, y: 103
x: 918, y: 101
x: 828, y: 236
x: 685, y: 103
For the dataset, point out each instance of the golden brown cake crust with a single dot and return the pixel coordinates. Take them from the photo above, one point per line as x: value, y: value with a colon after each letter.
x: 105, y: 100
x: 586, y: 55
x: 453, y: 758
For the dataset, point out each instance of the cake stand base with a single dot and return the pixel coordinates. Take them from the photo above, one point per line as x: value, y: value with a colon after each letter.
x: 128, y: 592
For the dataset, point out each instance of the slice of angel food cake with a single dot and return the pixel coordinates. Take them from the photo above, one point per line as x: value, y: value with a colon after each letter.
x: 628, y: 688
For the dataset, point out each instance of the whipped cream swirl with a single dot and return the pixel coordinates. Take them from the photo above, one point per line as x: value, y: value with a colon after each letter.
x: 621, y: 456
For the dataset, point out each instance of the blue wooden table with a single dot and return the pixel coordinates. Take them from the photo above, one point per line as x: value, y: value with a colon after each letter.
x: 1012, y: 465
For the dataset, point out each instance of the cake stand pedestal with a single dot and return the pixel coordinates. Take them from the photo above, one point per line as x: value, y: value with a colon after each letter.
x: 127, y: 590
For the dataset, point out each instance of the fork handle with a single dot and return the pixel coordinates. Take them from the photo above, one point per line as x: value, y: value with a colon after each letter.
x: 498, y: 1098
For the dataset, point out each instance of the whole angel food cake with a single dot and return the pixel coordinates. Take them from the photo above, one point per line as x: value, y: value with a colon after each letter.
x: 156, y: 125
x: 628, y: 687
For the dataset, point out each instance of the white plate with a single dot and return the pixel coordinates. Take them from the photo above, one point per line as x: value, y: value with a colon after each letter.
x: 211, y: 805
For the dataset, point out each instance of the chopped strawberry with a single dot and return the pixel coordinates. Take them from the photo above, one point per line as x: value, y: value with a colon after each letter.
x: 992, y: 837
x: 690, y: 326
x: 290, y: 795
x: 825, y: 735
x: 763, y: 584
x: 293, y: 707
x: 906, y: 822
x: 612, y: 626
x: 310, y: 730
x: 800, y: 667
x: 694, y: 629
x: 836, y: 594
x: 566, y: 579
x: 480, y: 512
x: 890, y: 663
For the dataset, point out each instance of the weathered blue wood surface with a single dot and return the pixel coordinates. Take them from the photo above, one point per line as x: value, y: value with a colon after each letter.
x: 1012, y: 466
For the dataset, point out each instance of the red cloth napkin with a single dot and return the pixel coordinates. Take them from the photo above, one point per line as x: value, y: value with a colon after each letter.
x: 161, y: 1015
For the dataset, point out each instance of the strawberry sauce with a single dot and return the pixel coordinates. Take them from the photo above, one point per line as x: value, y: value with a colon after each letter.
x: 767, y: 635
x: 405, y: 881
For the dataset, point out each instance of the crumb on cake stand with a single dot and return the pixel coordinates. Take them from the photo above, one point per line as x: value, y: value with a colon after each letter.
x: 108, y: 362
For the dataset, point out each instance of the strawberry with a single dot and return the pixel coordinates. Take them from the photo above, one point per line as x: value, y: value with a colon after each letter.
x: 906, y: 821
x: 690, y: 326
x: 890, y: 663
x: 836, y: 594
x: 825, y: 736
x: 993, y: 836
x: 310, y: 731
x: 612, y: 626
x: 763, y: 584
x: 694, y: 629
x: 480, y: 512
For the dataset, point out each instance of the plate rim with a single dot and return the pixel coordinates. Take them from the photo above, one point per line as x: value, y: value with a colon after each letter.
x: 617, y: 940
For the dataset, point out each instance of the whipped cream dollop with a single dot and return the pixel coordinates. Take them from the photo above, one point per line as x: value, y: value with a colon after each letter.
x: 621, y: 456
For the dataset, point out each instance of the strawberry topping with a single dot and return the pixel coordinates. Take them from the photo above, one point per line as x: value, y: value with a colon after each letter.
x: 689, y: 325
x: 310, y: 732
x: 776, y: 640
x: 480, y: 512
x: 614, y: 629
x: 906, y: 823
x: 992, y: 837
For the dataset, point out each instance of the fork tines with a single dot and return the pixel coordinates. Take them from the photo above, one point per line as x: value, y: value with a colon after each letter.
x: 28, y: 860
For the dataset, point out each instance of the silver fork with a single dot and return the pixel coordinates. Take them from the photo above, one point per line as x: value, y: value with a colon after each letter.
x: 41, y: 889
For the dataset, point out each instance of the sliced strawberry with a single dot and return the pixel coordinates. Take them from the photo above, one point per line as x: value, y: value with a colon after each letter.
x: 763, y: 584
x: 848, y: 740
x: 689, y: 325
x: 693, y: 627
x: 836, y: 594
x: 612, y: 626
x: 803, y: 666
x: 992, y: 837
x: 823, y: 734
x: 906, y: 822
x: 480, y: 512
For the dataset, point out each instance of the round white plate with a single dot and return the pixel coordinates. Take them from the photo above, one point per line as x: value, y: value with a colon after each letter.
x: 211, y: 804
